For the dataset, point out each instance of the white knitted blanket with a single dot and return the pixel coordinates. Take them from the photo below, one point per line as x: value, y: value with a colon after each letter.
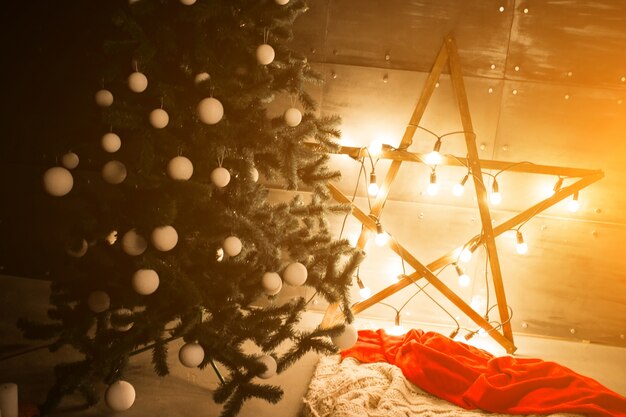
x: 353, y: 389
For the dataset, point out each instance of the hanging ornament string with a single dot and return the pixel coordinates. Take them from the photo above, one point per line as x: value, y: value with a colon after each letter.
x: 266, y: 35
x: 221, y: 153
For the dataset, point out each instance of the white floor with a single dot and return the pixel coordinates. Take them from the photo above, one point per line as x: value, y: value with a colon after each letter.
x: 188, y: 392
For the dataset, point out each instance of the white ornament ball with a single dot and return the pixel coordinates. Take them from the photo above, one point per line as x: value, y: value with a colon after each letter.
x: 137, y: 82
x: 120, y: 396
x: 179, y: 168
x: 80, y: 251
x: 120, y: 312
x: 159, y: 118
x: 265, y: 54
x: 292, y: 117
x: 70, y: 160
x: 114, y: 172
x: 347, y: 338
x: 104, y: 98
x: 202, y: 77
x: 187, y: 2
x: 232, y: 246
x: 98, y: 301
x: 272, y: 284
x: 164, y: 238
x: 133, y: 244
x: 210, y: 110
x: 58, y: 181
x: 254, y: 173
x: 191, y: 355
x: 111, y: 142
x: 270, y: 364
x: 220, y: 177
x: 281, y: 2
x: 295, y: 274
x: 145, y: 281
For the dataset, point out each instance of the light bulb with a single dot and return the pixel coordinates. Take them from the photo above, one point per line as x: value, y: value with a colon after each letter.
x: 397, y: 331
x: 573, y: 205
x: 464, y: 279
x: 433, y: 188
x: 495, y: 196
x: 373, y: 189
x: 521, y: 247
x: 375, y: 148
x: 433, y: 158
x: 466, y: 255
x: 459, y: 188
x: 365, y: 293
x: 381, y: 237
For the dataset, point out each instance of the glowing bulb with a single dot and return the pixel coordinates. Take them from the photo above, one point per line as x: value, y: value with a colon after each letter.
x: 521, y: 247
x: 397, y: 331
x: 433, y: 188
x: 365, y: 293
x: 495, y: 198
x: 466, y: 255
x: 458, y: 190
x: 381, y: 237
x: 372, y: 189
x: 573, y: 205
x: 477, y: 303
x: 375, y: 148
x: 464, y: 280
x: 433, y: 158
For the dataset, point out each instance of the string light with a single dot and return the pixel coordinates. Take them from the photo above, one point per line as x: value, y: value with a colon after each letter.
x: 364, y: 291
x: 433, y: 188
x: 459, y: 188
x: 495, y: 197
x: 467, y: 252
x: 521, y: 246
x: 381, y: 236
x: 373, y: 189
x: 397, y: 329
x: 375, y: 148
x: 434, y: 157
x: 464, y: 279
x: 573, y: 205
x: 557, y: 186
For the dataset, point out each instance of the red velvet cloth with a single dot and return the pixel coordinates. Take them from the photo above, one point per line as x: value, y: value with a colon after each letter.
x: 474, y: 379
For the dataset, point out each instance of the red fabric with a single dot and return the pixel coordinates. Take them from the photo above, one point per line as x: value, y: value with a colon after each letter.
x: 474, y: 379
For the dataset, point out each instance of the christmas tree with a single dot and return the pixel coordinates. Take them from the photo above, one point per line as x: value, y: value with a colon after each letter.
x: 167, y: 231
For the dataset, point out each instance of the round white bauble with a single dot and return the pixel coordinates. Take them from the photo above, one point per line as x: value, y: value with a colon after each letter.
x: 295, y: 274
x: 120, y: 312
x: 164, y: 238
x: 114, y: 172
x: 292, y: 117
x: 133, y: 244
x: 120, y: 396
x: 270, y: 364
x: 281, y: 2
x: 232, y: 246
x: 254, y: 173
x: 202, y: 77
x: 137, y: 82
x: 347, y: 338
x: 98, y: 301
x: 210, y: 110
x: 80, y: 251
x: 191, y: 355
x: 187, y: 2
x: 265, y: 54
x: 179, y: 168
x: 145, y: 281
x: 58, y: 181
x: 159, y: 118
x: 111, y: 142
x: 271, y: 282
x: 70, y: 160
x: 220, y: 177
x: 104, y: 98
